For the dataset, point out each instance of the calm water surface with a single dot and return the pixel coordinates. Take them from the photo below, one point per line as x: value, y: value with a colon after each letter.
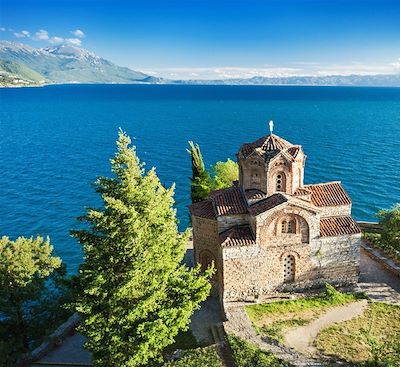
x: 55, y: 140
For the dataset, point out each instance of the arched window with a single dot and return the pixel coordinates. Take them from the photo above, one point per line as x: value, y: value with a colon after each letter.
x: 291, y: 226
x: 206, y: 258
x: 288, y: 269
x: 280, y: 182
x: 288, y: 226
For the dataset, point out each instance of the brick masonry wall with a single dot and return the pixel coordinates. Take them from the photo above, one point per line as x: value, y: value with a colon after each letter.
x: 250, y: 271
x: 227, y: 222
x: 332, y: 211
x: 245, y: 272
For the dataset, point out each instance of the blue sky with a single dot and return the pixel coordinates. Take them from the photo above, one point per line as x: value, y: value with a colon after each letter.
x: 208, y: 39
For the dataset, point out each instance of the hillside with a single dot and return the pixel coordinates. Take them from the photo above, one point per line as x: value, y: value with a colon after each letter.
x: 12, y: 73
x: 68, y: 64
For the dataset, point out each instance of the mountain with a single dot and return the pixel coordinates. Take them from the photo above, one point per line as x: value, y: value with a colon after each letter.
x: 377, y: 80
x: 18, y: 74
x: 68, y: 64
x: 22, y: 64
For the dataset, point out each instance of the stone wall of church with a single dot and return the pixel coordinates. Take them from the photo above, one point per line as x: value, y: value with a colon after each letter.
x: 229, y: 221
x: 333, y: 211
x: 206, y: 242
x: 250, y: 271
x: 337, y: 258
x: 253, y: 173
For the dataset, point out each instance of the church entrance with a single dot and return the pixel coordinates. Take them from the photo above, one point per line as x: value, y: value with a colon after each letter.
x: 288, y: 269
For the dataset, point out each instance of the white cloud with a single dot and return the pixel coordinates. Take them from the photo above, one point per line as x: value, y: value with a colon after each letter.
x: 302, y: 69
x: 56, y: 39
x: 41, y: 35
x: 22, y: 34
x: 2, y: 29
x: 74, y: 41
x: 78, y: 33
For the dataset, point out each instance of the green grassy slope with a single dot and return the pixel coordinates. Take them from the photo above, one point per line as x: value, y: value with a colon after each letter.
x: 17, y: 70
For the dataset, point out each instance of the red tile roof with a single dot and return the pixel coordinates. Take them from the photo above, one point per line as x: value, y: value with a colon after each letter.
x: 254, y: 194
x: 337, y: 226
x: 302, y: 191
x: 294, y: 150
x: 272, y: 142
x: 203, y: 209
x: 268, y: 145
x: 266, y: 204
x: 237, y: 236
x: 328, y: 194
x: 229, y: 201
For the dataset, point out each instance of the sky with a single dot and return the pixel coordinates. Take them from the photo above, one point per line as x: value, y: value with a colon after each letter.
x: 218, y: 39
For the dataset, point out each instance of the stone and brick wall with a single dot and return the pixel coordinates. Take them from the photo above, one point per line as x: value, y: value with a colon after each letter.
x: 250, y: 271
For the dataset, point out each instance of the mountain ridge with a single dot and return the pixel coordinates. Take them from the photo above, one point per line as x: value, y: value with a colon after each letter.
x: 68, y: 64
x: 71, y: 64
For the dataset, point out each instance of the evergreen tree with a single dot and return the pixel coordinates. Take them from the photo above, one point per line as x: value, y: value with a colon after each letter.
x: 137, y: 294
x: 201, y: 181
x: 25, y: 266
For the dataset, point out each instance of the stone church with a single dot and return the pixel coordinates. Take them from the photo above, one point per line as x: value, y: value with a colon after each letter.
x: 269, y: 232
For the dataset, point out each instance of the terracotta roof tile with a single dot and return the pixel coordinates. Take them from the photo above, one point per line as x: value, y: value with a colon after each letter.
x: 294, y: 150
x: 302, y: 191
x: 269, y: 146
x: 272, y: 142
x: 229, y: 201
x: 237, y: 236
x: 337, y: 226
x: 254, y: 194
x: 328, y: 194
x: 267, y: 204
x: 203, y: 209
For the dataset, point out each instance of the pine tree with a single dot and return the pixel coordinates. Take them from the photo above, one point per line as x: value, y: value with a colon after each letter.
x: 201, y: 181
x: 137, y: 294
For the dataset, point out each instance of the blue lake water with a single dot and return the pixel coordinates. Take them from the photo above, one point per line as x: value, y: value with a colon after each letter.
x: 55, y: 140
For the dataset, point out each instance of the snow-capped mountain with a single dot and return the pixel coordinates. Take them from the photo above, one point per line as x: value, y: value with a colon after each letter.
x: 68, y: 64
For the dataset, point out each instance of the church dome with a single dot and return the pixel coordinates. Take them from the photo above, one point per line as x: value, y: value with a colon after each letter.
x: 272, y: 142
x: 267, y: 146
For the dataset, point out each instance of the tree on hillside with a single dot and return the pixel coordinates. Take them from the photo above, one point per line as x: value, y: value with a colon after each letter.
x: 224, y: 174
x: 25, y: 266
x: 201, y: 181
x: 137, y: 295
x: 390, y: 221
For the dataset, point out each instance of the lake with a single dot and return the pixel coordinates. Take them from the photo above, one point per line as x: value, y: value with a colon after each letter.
x: 55, y: 140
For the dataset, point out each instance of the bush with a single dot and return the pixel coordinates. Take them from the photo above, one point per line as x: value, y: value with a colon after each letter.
x: 201, y: 357
x: 248, y: 355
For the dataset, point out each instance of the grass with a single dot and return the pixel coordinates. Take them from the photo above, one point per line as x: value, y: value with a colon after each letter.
x: 275, y: 330
x: 200, y: 357
x: 247, y: 355
x: 273, y: 319
x: 371, y: 339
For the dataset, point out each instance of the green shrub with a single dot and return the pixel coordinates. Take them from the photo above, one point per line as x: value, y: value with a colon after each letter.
x: 201, y: 357
x: 248, y: 355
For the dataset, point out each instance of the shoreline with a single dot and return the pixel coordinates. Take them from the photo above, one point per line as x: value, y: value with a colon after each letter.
x: 12, y: 86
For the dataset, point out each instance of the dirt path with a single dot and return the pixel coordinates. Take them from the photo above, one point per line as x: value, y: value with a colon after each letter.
x: 301, y: 338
